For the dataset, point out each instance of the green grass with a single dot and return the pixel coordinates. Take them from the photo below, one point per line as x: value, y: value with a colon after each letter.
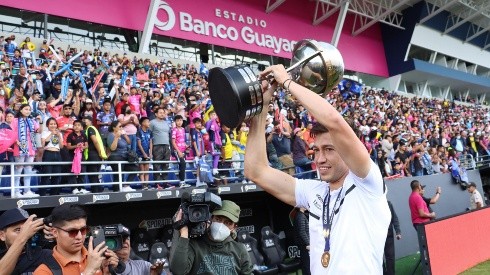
x: 483, y: 268
x: 406, y: 265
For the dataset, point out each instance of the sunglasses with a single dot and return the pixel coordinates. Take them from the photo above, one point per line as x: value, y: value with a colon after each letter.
x: 74, y: 232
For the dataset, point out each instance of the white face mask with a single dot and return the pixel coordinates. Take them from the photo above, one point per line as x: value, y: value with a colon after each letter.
x: 219, y: 231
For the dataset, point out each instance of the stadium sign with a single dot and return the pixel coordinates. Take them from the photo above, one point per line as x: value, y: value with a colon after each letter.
x: 211, y: 27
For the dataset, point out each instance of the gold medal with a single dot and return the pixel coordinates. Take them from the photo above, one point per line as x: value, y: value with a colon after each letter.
x: 326, y: 233
x: 325, y: 259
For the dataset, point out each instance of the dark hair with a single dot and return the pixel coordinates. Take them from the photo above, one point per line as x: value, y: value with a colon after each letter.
x: 320, y: 129
x: 78, y: 121
x: 113, y: 125
x: 124, y: 107
x: 143, y: 119
x: 19, y: 113
x: 65, y: 213
x: 177, y: 117
x: 414, y: 184
x: 49, y: 120
x: 196, y: 120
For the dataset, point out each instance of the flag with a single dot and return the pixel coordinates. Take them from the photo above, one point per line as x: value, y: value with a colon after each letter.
x: 203, y: 70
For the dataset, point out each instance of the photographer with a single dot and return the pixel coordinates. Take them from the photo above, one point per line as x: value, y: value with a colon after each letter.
x: 213, y: 253
x: 136, y: 267
x: 69, y: 228
x: 16, y: 229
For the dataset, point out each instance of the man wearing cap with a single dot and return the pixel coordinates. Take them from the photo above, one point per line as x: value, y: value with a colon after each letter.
x: 216, y: 252
x: 418, y: 208
x: 476, y: 200
x: 16, y: 229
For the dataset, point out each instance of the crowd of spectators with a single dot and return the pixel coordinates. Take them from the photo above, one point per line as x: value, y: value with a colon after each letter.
x: 110, y: 105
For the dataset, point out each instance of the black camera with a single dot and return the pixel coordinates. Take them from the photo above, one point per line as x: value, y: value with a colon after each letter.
x: 113, y: 235
x: 196, y: 212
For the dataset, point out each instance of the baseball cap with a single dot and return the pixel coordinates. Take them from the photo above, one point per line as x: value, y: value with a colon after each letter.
x: 228, y: 209
x: 13, y: 216
x: 423, y: 186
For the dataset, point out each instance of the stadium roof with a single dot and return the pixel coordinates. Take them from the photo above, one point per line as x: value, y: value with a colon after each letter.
x: 369, y: 12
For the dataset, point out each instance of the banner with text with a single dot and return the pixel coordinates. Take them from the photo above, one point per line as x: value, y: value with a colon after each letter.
x: 234, y: 24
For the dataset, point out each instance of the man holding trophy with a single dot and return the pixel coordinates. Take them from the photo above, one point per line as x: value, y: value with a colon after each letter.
x: 349, y: 214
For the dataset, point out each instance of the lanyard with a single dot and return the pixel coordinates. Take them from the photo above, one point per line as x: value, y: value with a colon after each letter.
x: 328, y: 217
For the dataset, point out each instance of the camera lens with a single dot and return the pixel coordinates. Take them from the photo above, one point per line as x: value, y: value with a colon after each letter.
x: 111, y: 243
x: 198, y: 213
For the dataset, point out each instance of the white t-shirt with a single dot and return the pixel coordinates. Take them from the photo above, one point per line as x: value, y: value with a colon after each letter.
x: 474, y: 198
x: 54, y: 141
x: 359, y: 229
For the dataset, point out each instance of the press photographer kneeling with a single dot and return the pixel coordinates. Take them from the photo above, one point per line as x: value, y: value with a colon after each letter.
x: 203, y: 244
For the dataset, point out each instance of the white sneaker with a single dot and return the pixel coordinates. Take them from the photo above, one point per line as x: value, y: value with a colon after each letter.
x: 84, y: 191
x: 76, y: 192
x: 184, y: 185
x: 30, y: 194
x: 215, y: 171
x: 127, y: 189
x: 17, y: 195
x: 244, y: 181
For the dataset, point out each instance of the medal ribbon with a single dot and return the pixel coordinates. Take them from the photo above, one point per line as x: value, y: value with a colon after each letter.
x: 328, y: 217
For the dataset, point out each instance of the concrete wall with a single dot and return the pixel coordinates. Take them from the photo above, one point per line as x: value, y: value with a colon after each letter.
x: 452, y: 200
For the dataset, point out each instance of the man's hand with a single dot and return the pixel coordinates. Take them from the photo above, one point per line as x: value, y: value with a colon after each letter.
x: 30, y: 227
x: 184, y: 231
x: 398, y: 236
x: 433, y: 215
x: 438, y: 190
x: 47, y: 232
x: 111, y: 259
x: 95, y: 257
x: 157, y: 268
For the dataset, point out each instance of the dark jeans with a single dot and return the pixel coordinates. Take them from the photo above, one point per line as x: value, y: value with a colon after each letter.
x: 182, y: 166
x: 51, y: 156
x: 93, y: 168
x: 389, y: 264
x: 126, y: 167
x: 160, y: 152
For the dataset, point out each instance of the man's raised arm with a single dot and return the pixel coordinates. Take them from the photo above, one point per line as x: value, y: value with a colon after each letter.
x: 257, y: 169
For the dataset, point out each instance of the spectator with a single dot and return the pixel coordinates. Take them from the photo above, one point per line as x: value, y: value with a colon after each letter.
x: 95, y: 152
x: 130, y: 123
x: 118, y: 142
x: 104, y: 119
x: 7, y: 156
x: 180, y: 148
x: 280, y: 138
x: 24, y: 148
x: 300, y: 153
x: 213, y: 129
x: 52, y: 141
x: 77, y: 140
x: 476, y: 200
x: 161, y: 143
x: 144, y: 137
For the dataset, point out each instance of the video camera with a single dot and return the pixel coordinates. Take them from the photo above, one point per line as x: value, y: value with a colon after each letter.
x: 113, y: 235
x: 196, y: 212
